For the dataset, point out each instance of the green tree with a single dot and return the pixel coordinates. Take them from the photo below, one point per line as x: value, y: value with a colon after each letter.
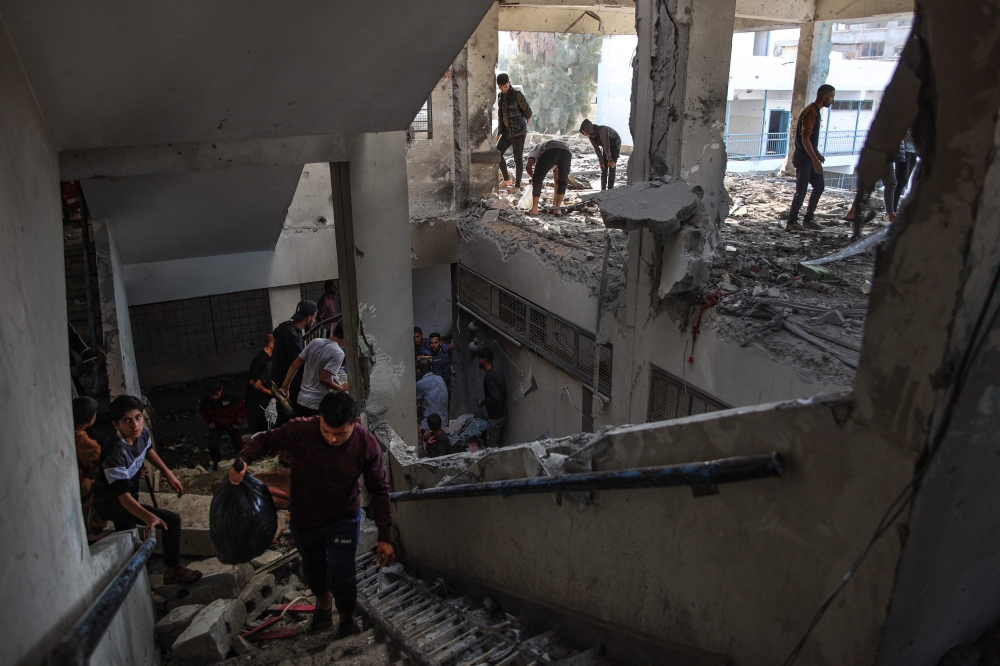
x: 559, y: 76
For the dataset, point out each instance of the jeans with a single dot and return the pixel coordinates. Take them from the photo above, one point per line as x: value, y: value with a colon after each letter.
x: 804, y: 177
x: 171, y: 537
x: 608, y: 172
x: 215, y: 441
x: 328, y: 559
x: 517, y: 143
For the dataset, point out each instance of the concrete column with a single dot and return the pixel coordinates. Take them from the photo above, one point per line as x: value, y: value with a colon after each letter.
x: 379, y: 223
x: 283, y: 301
x: 812, y: 67
x: 123, y: 378
x: 481, y: 61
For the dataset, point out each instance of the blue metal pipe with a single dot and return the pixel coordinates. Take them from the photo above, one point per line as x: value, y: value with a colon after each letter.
x: 79, y: 644
x: 703, y: 477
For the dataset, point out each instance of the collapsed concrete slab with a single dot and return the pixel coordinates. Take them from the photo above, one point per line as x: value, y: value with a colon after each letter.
x: 218, y: 581
x: 175, y: 622
x: 211, y: 634
x: 661, y: 208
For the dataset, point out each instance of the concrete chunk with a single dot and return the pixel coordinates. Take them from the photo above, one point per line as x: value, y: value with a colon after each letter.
x: 175, y: 622
x: 643, y: 205
x: 225, y: 580
x: 258, y: 593
x: 266, y: 558
x: 834, y: 317
x: 211, y: 634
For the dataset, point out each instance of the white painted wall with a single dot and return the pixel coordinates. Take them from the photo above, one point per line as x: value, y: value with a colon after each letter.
x: 123, y: 377
x: 432, y: 299
x: 614, y: 84
x: 283, y: 301
x: 48, y: 577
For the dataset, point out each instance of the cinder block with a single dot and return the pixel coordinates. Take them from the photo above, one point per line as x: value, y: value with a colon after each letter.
x: 175, y: 622
x: 258, y: 594
x: 226, y: 580
x: 211, y: 634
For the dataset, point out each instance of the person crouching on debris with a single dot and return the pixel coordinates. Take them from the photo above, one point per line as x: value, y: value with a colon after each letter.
x: 116, y: 490
x: 607, y: 144
x: 222, y: 413
x: 330, y: 453
x: 435, y: 441
x: 542, y: 159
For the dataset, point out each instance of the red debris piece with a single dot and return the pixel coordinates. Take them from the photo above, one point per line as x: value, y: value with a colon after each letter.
x: 277, y: 634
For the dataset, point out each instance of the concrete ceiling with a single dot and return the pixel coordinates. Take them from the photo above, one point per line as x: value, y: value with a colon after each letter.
x: 194, y: 214
x: 109, y: 73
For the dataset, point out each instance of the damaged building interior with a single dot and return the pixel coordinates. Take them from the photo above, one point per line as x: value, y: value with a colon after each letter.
x: 729, y: 438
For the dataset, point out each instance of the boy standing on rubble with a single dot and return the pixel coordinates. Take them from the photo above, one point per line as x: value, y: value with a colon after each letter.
x: 330, y: 453
x: 116, y: 491
x: 222, y: 413
x: 514, y: 116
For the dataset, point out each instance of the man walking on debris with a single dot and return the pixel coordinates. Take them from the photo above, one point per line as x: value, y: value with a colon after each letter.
x: 607, y: 144
x: 330, y: 453
x: 807, y: 160
x: 514, y: 115
x: 288, y: 345
x: 495, y: 397
x: 259, y: 386
x: 546, y: 156
x: 324, y: 371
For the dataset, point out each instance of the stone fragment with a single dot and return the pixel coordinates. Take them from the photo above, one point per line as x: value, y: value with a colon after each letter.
x: 834, y: 317
x: 811, y: 273
x: 258, y: 593
x: 174, y: 623
x: 866, y: 288
x: 728, y: 287
x: 644, y: 205
x: 491, y: 215
x: 774, y: 292
x: 268, y: 557
x: 225, y: 580
x: 783, y: 279
x: 242, y: 646
x: 211, y: 634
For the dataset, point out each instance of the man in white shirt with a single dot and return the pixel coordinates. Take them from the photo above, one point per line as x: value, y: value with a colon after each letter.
x: 323, y: 372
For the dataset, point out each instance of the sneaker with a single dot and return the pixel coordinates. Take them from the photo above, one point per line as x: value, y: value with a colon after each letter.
x: 322, y: 619
x: 793, y: 226
x: 812, y: 224
x: 348, y: 628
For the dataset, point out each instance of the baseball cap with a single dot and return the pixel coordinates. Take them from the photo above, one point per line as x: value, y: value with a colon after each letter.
x: 303, y: 310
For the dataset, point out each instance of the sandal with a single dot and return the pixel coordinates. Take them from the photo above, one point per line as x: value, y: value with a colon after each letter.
x: 182, y: 575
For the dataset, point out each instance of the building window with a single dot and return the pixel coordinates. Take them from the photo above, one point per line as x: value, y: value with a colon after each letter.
x: 853, y: 105
x: 563, y: 344
x: 420, y: 128
x: 672, y: 398
x: 908, y: 23
x: 199, y: 327
x: 871, y: 50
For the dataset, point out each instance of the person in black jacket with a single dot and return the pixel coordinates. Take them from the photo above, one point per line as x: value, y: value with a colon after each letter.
x: 287, y: 347
x: 514, y: 115
x: 495, y: 397
x: 608, y: 145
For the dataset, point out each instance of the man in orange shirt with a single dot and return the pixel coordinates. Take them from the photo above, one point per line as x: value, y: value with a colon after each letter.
x: 807, y: 160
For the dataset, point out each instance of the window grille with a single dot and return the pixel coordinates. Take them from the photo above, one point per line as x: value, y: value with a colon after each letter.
x: 853, y: 105
x: 199, y: 327
x: 871, y: 50
x: 671, y: 398
x: 563, y: 344
x: 420, y: 128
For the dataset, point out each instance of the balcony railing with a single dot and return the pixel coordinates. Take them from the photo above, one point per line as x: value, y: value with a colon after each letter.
x: 772, y: 145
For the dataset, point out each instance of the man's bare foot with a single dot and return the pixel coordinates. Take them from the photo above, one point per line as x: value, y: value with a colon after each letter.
x: 890, y: 216
x: 506, y: 183
x: 557, y: 211
x: 533, y: 211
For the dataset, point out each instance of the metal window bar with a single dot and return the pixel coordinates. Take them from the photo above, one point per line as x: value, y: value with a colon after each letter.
x: 420, y: 128
x: 671, y: 398
x: 558, y: 341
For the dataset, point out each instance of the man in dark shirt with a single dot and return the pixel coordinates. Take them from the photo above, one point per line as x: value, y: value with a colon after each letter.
x: 330, y: 452
x: 223, y: 413
x: 287, y: 347
x: 441, y: 361
x: 420, y: 348
x: 607, y: 144
x: 434, y: 440
x: 807, y: 160
x: 514, y: 115
x: 495, y: 397
x: 259, y: 386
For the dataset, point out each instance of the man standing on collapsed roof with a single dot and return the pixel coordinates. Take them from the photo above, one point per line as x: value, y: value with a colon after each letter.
x: 514, y: 115
x: 807, y: 160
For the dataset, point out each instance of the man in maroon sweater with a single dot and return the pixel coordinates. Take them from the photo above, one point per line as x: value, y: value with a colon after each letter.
x: 330, y: 452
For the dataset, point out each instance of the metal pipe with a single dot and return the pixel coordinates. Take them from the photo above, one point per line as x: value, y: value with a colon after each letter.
x: 703, y: 476
x: 79, y: 644
x: 88, y: 287
x: 402, y: 641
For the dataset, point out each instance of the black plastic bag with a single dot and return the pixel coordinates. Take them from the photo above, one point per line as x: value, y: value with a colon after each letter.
x: 242, y: 520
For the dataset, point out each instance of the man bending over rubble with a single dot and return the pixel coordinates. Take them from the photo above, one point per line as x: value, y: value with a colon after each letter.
x: 330, y: 452
x: 608, y: 145
x: 547, y: 156
x: 808, y: 161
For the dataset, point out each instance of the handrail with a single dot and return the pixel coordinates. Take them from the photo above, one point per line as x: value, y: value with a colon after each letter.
x: 76, y: 648
x: 701, y: 476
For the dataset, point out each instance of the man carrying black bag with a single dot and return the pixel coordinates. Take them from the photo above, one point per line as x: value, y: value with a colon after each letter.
x: 330, y: 452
